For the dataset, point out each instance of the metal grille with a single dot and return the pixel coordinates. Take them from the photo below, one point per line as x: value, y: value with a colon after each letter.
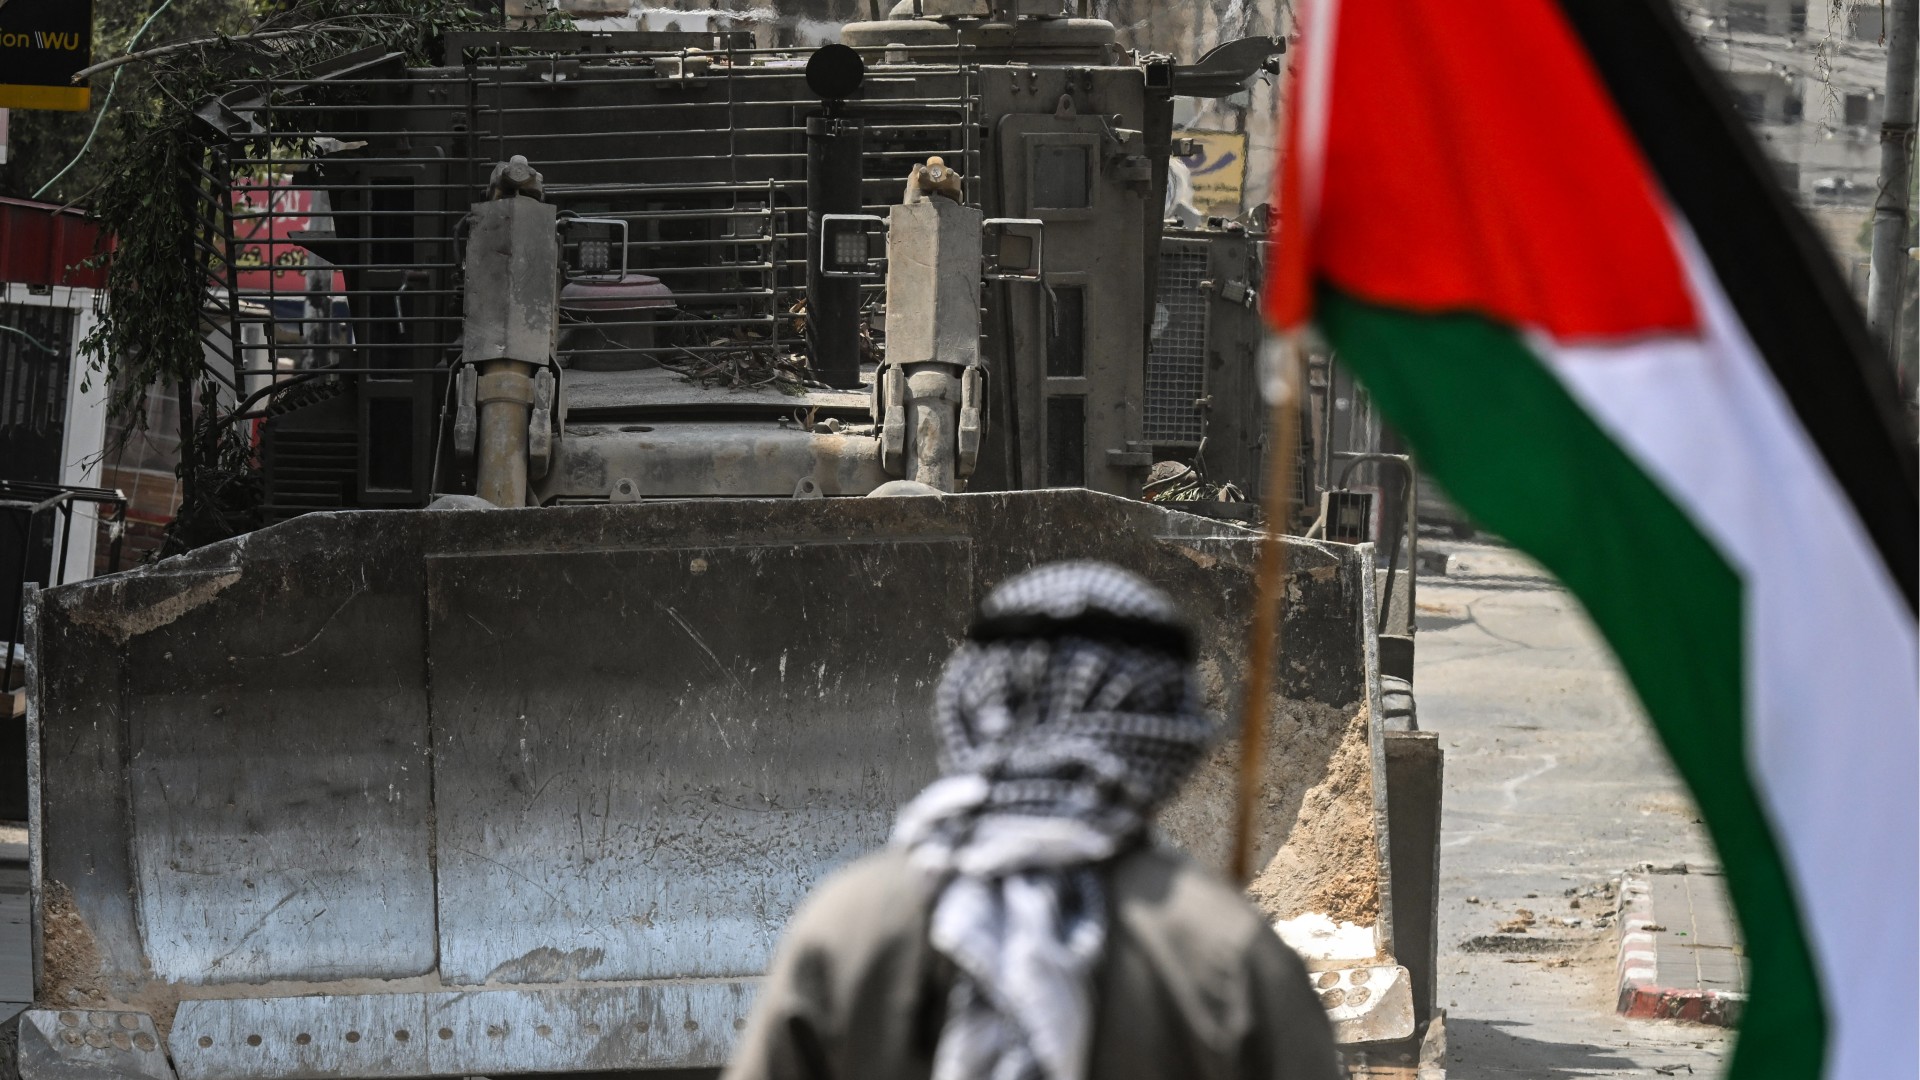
x: 333, y: 219
x: 1176, y: 363
x: 35, y: 341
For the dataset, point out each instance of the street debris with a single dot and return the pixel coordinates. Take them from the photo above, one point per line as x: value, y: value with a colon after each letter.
x: 1521, y: 922
x: 1521, y: 943
x: 1317, y: 936
x: 736, y: 364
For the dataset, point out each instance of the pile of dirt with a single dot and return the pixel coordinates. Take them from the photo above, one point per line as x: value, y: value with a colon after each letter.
x: 70, y: 958
x: 1316, y: 839
x: 1330, y: 859
x: 72, y: 966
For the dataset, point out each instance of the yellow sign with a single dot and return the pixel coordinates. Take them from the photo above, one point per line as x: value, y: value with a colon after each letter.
x: 43, y: 43
x: 1218, y: 166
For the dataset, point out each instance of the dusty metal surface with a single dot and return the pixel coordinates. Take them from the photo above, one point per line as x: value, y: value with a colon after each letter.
x: 651, y: 756
x: 277, y: 778
x: 1415, y: 780
x: 36, y: 922
x: 582, y: 1029
x: 1077, y: 416
x: 593, y: 395
x: 395, y: 754
x: 1377, y: 746
x: 763, y: 457
x: 512, y: 293
x: 933, y: 283
x: 1367, y: 1004
x: 87, y: 1044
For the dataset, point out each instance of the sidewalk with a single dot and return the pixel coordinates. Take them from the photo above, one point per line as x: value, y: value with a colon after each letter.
x: 1554, y: 783
x: 1680, y: 951
x: 16, y: 947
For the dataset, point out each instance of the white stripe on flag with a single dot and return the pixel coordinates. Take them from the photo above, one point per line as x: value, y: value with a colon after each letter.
x: 1310, y: 112
x: 1829, y: 655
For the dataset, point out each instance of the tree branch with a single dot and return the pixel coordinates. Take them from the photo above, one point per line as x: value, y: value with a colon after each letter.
x: 309, y: 30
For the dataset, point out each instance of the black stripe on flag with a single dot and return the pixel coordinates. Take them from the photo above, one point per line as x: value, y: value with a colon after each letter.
x: 1775, y: 270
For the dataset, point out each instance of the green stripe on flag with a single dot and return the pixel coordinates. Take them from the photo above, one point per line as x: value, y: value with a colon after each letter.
x: 1506, y: 440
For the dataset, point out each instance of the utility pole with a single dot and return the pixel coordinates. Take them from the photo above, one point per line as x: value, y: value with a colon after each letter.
x: 1889, y: 281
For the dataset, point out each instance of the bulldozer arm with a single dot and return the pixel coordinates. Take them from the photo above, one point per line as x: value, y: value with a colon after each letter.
x: 429, y: 793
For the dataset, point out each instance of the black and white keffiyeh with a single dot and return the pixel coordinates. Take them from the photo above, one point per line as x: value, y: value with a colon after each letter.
x: 1064, y: 721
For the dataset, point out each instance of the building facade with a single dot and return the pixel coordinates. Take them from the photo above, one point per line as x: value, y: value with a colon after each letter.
x: 1810, y: 78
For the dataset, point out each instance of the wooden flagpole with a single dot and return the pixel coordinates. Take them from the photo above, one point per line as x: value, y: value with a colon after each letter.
x: 1282, y: 382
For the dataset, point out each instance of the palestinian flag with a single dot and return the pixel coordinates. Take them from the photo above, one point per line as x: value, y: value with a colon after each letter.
x: 1541, y: 237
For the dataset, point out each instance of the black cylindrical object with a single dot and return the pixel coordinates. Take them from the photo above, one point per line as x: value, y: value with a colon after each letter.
x: 834, y: 146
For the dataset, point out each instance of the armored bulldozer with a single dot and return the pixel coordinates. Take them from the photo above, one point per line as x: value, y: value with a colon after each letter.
x: 640, y: 418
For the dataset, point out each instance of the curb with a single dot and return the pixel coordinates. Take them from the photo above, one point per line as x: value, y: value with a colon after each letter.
x: 1642, y: 997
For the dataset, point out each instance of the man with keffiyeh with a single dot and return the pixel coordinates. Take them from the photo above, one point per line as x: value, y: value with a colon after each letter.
x: 1022, y: 925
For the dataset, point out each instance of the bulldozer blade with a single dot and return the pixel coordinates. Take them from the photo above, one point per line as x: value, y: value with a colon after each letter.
x: 411, y: 793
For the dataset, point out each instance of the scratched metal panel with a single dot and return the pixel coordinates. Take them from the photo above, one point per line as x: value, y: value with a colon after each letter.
x: 681, y: 1024
x: 277, y: 768
x: 267, y: 695
x: 645, y: 758
x: 81, y: 820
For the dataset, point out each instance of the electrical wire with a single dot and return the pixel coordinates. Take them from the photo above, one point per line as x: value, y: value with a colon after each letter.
x: 30, y: 338
x: 100, y: 114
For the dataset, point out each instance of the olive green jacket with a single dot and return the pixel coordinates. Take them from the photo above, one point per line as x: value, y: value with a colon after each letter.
x: 1193, y: 983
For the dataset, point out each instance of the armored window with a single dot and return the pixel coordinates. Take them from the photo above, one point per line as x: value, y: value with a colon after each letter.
x: 390, y: 444
x: 1869, y: 23
x: 1067, y: 331
x: 1062, y: 176
x: 1066, y: 442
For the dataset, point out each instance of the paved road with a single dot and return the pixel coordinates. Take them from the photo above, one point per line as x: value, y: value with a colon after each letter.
x: 16, y: 955
x: 1554, y: 784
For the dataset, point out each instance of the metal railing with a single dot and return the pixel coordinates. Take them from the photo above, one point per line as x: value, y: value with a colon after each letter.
x: 332, y: 226
x: 27, y: 504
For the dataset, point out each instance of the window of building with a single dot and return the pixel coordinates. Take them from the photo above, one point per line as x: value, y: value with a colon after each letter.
x: 1748, y: 17
x: 1869, y: 22
x: 1859, y: 108
x: 1762, y: 98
